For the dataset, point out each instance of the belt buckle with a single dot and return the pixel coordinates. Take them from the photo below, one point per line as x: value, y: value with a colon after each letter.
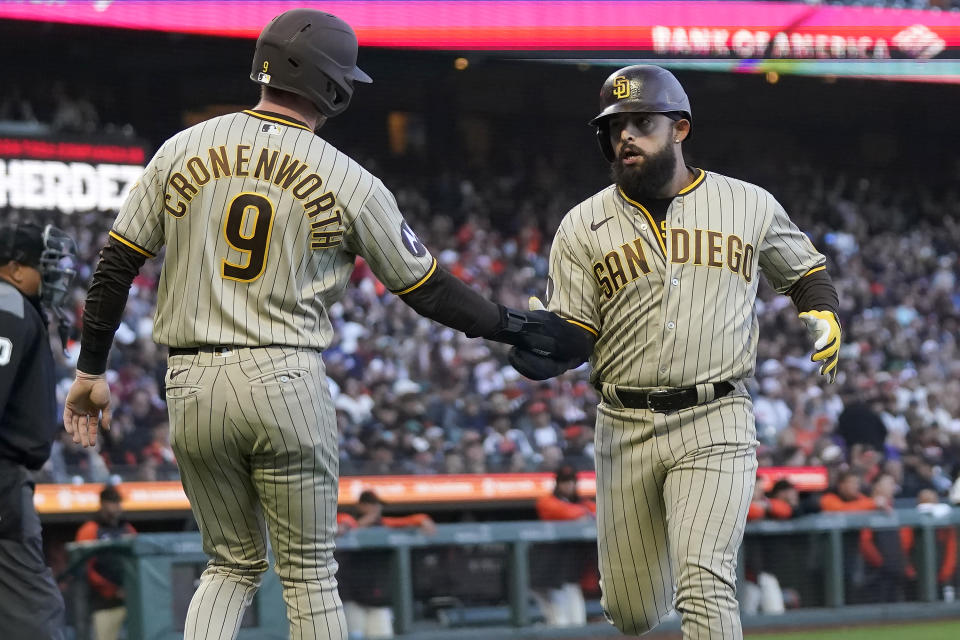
x: 652, y: 396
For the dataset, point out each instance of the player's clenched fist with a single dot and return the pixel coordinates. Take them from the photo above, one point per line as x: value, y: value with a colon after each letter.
x: 824, y: 330
x: 86, y: 407
x: 543, y: 333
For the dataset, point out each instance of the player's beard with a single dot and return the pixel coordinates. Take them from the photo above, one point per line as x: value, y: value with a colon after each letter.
x: 645, y: 180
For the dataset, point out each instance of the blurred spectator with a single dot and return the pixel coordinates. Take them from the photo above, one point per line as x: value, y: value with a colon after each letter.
x: 860, y: 424
x: 579, y: 452
x: 848, y: 497
x: 785, y: 492
x: 546, y: 432
x: 474, y: 456
x: 945, y: 539
x: 73, y: 114
x: 556, y: 569
x: 70, y: 462
x: 157, y: 459
x: 504, y: 441
x: 15, y: 107
x: 105, y: 572
x: 370, y: 514
x: 365, y: 576
x: 762, y: 507
x: 795, y: 574
x: 885, y: 570
x: 565, y: 502
x: 762, y: 592
x: 771, y: 411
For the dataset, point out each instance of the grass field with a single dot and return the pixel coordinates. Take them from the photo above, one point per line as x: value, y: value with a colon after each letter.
x: 920, y: 631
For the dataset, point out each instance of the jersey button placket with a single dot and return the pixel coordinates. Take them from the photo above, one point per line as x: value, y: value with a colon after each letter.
x: 671, y: 298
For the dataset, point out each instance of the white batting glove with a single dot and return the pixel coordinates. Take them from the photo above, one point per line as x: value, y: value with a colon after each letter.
x: 824, y: 330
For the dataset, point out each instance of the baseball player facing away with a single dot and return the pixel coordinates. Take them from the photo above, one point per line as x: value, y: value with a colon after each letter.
x: 661, y: 267
x: 262, y: 221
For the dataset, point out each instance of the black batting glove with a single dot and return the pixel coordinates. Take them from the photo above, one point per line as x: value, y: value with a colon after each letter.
x: 543, y: 333
x: 537, y: 367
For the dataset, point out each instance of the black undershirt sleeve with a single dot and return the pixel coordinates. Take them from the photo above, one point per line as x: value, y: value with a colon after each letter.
x: 444, y: 298
x: 106, y: 300
x: 815, y: 291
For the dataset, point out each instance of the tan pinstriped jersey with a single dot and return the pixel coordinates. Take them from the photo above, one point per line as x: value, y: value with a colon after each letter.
x: 675, y: 307
x: 262, y: 221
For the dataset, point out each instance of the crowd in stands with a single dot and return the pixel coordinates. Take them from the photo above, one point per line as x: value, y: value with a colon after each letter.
x: 413, y: 397
x: 40, y: 107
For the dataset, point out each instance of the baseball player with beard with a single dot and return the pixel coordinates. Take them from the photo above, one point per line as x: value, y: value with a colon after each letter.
x: 661, y: 269
x: 262, y: 221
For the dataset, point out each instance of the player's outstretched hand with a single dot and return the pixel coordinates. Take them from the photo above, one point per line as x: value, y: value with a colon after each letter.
x: 543, y: 333
x: 87, y: 406
x: 824, y: 330
x: 537, y: 367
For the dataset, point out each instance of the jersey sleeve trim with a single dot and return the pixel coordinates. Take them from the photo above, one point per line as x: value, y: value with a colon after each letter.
x: 135, y: 247
x: 289, y: 123
x: 653, y: 223
x: 693, y: 185
x: 584, y: 326
x: 433, y: 267
x: 814, y: 270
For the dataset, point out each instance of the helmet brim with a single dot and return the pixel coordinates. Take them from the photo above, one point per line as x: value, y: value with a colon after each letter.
x: 626, y: 107
x: 358, y: 75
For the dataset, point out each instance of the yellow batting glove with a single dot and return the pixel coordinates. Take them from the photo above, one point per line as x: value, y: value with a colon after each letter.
x: 535, y: 304
x: 824, y: 330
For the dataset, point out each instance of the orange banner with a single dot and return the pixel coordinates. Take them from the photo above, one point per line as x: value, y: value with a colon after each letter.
x: 500, y: 487
x: 85, y: 498
x: 803, y: 478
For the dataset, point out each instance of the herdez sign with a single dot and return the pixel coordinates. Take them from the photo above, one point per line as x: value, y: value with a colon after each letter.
x: 66, y: 175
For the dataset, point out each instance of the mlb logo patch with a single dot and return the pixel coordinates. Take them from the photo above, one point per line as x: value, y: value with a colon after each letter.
x: 270, y: 128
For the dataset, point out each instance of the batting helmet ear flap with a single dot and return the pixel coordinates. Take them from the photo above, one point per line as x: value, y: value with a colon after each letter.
x: 603, y: 138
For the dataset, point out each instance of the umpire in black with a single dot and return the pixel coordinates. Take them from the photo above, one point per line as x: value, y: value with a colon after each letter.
x: 35, y: 274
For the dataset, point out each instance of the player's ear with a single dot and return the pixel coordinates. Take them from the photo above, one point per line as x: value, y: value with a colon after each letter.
x: 16, y: 271
x: 681, y: 129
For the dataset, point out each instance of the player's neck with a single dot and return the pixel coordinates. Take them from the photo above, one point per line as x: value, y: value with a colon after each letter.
x: 683, y: 177
x: 305, y: 114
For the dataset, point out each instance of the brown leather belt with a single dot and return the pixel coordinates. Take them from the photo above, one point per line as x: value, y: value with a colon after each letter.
x: 667, y: 400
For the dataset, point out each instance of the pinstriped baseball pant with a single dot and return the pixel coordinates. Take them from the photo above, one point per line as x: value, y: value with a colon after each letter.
x: 255, y: 437
x: 672, y: 497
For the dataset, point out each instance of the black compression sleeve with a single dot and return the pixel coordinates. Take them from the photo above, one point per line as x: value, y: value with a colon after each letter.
x: 815, y: 291
x: 444, y: 298
x: 106, y: 300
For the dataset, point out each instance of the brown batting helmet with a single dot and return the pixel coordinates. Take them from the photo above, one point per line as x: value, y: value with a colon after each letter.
x: 639, y: 88
x: 312, y: 54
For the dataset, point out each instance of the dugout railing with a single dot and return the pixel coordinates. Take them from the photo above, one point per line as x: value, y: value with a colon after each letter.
x: 162, y: 569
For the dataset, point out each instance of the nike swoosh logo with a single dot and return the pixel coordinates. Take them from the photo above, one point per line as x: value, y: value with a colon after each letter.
x: 596, y: 225
x: 174, y: 374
